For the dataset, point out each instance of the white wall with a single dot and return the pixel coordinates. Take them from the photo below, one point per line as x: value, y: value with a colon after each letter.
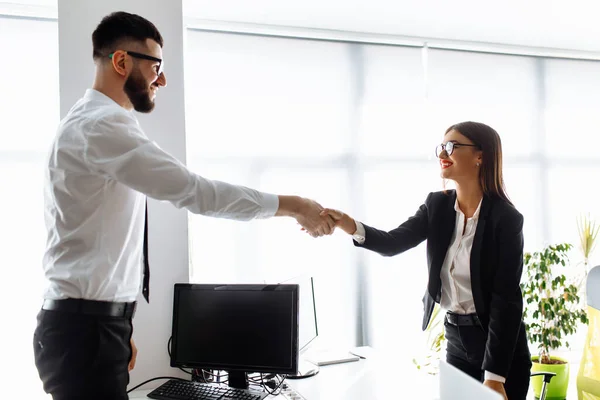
x: 168, y: 244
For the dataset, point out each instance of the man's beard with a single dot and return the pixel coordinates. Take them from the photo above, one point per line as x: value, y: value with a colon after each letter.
x: 137, y: 90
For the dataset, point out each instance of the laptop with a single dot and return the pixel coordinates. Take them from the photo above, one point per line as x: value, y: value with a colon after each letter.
x: 456, y: 385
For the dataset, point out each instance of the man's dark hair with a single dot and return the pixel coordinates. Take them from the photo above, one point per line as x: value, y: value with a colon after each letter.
x: 120, y: 26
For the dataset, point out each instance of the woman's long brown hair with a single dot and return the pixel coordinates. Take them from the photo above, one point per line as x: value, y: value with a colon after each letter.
x: 488, y: 141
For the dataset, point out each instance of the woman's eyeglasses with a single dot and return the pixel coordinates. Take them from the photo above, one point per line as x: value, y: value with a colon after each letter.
x: 449, y: 147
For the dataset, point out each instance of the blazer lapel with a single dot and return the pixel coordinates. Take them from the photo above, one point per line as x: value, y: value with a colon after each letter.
x: 476, y: 254
x: 446, y: 229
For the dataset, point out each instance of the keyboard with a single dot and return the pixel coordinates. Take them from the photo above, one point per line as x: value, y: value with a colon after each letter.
x: 188, y: 390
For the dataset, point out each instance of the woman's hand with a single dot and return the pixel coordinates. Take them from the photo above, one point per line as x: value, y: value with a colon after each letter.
x: 496, y: 386
x: 342, y: 221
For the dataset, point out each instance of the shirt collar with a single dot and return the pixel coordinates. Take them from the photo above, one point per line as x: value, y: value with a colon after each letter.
x: 475, y: 215
x: 93, y: 94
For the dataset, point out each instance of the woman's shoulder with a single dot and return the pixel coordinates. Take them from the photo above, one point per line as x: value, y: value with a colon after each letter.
x: 505, y: 211
x: 440, y: 197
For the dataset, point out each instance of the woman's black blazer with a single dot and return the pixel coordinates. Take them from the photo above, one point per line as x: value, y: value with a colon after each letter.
x: 496, y: 266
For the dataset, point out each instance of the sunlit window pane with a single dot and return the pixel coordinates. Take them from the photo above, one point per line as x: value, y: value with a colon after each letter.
x: 266, y: 96
x: 22, y: 232
x: 572, y: 103
x: 283, y: 251
x: 355, y: 126
x: 523, y: 186
x: 497, y: 90
x: 29, y: 87
x: 393, y: 193
x: 573, y: 193
x: 393, y: 110
x: 29, y: 104
x: 216, y: 244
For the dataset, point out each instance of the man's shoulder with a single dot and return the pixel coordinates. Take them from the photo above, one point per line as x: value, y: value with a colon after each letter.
x: 91, y: 114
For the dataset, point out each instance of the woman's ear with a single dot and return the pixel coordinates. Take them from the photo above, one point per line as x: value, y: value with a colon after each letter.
x: 479, y: 160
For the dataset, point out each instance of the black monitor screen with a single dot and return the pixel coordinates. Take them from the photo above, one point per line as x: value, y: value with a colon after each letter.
x: 251, y: 328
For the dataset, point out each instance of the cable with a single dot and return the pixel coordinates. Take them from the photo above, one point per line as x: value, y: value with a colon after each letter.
x: 154, y: 379
x: 169, y: 351
x: 203, y: 375
x: 269, y: 386
x: 214, y: 375
x: 266, y: 385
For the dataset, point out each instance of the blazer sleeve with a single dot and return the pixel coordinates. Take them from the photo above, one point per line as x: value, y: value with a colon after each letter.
x: 406, y: 236
x: 506, y: 308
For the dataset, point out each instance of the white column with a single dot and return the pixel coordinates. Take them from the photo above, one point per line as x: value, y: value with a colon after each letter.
x: 168, y: 237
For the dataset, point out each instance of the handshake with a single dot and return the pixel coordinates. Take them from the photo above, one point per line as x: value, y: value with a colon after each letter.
x: 314, y: 219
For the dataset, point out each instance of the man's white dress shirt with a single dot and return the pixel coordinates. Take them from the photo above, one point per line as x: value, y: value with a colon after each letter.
x: 457, y: 295
x: 100, y: 169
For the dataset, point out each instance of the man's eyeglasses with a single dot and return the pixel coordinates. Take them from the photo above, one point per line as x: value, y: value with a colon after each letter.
x: 449, y: 147
x: 160, y: 67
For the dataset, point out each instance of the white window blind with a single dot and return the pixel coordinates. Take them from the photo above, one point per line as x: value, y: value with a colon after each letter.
x: 355, y: 127
x: 29, y: 103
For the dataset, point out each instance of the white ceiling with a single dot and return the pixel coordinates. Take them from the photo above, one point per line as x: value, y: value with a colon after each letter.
x: 567, y: 24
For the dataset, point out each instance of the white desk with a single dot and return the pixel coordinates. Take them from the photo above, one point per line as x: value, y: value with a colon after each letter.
x: 374, y: 378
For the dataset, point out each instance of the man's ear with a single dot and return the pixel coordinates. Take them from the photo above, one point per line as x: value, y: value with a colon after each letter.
x: 118, y: 61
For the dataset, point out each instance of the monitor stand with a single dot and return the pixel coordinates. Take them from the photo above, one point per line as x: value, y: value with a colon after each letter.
x: 306, y: 369
x: 238, y: 379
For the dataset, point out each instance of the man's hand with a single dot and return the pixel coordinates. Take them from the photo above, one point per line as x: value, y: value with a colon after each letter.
x: 496, y: 386
x: 133, y: 356
x: 342, y: 221
x: 310, y: 218
x: 307, y: 213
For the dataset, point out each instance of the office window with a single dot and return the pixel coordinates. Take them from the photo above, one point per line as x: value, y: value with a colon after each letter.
x: 501, y: 91
x: 265, y: 97
x: 394, y: 120
x: 498, y: 90
x: 571, y: 113
x: 571, y: 122
x: 29, y: 100
x: 262, y: 113
x: 393, y: 192
x: 355, y: 126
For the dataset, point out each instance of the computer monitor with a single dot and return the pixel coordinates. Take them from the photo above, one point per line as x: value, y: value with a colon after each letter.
x: 239, y: 328
x: 307, y: 324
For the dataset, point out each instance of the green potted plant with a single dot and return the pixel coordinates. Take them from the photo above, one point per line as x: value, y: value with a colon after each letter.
x: 588, y: 229
x: 436, y: 339
x: 552, y: 311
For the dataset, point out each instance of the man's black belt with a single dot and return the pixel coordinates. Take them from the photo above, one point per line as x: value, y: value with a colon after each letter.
x: 91, y: 307
x: 462, y: 319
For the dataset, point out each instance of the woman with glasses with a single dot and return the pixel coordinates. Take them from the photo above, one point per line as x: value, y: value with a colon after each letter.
x: 475, y: 259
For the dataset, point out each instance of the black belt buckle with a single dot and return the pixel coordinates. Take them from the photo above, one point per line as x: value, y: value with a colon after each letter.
x: 462, y: 319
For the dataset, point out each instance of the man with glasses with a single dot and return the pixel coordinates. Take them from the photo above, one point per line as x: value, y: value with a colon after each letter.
x: 100, y: 170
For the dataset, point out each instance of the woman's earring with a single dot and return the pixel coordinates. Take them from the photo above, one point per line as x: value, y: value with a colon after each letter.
x: 478, y: 164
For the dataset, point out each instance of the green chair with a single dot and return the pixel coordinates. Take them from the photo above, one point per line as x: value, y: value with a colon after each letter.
x: 588, y: 378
